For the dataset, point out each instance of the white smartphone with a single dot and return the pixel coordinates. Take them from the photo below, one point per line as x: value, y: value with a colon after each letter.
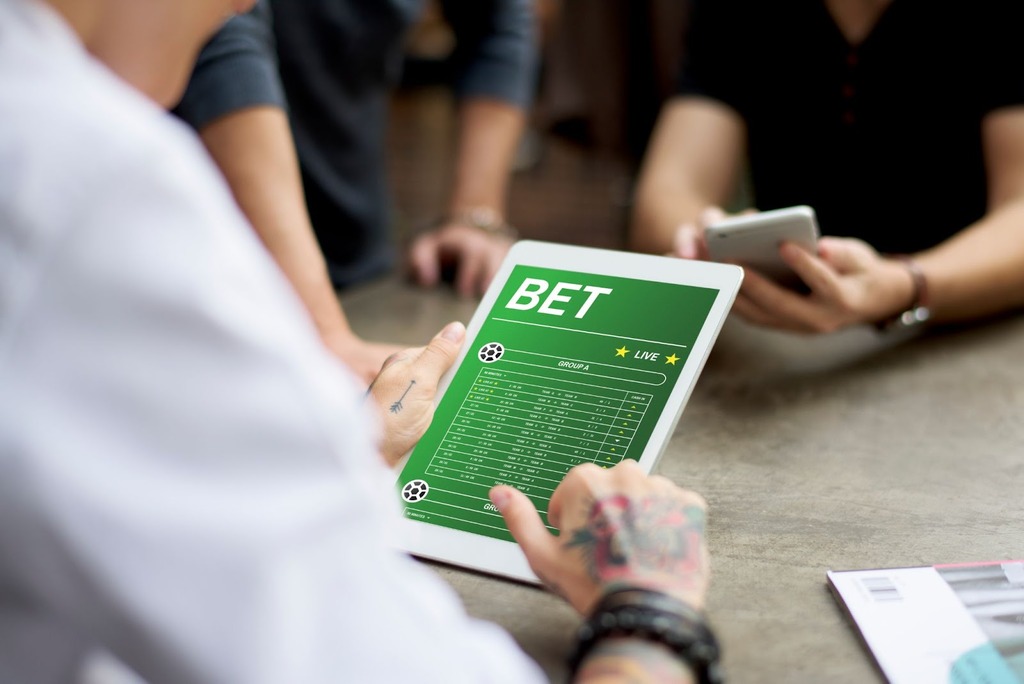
x: 753, y: 240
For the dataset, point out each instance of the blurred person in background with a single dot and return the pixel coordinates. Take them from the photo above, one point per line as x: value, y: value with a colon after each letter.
x: 611, y: 109
x: 292, y: 103
x: 900, y: 122
x: 189, y: 479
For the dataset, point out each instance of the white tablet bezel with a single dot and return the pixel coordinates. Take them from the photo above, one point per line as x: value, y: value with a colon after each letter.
x: 499, y: 557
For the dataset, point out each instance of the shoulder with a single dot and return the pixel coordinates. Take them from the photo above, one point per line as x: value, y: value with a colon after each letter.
x: 97, y: 182
x: 74, y: 132
x: 83, y: 119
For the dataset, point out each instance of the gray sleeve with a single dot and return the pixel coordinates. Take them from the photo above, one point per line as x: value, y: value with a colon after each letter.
x: 237, y: 69
x: 496, y: 53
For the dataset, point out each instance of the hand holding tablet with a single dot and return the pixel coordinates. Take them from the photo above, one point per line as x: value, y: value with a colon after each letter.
x: 575, y: 355
x: 405, y: 388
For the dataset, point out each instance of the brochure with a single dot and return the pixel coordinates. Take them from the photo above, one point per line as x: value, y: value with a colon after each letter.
x: 959, y: 623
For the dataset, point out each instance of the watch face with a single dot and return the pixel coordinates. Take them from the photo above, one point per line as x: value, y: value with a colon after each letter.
x: 911, y: 319
x: 915, y: 316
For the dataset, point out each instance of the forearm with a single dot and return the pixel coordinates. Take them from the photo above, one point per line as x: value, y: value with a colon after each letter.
x: 979, y: 271
x: 615, y: 661
x: 692, y: 162
x: 661, y: 205
x: 488, y: 133
x: 254, y: 150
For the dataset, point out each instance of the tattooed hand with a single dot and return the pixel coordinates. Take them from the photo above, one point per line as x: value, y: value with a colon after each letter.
x: 618, y: 527
x: 405, y: 388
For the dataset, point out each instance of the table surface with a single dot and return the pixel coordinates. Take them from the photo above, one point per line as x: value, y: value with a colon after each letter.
x: 834, y: 452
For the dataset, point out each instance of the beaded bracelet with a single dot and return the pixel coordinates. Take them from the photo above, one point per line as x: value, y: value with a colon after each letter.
x: 656, y: 617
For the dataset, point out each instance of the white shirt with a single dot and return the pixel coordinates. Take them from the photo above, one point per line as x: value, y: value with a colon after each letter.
x: 186, y: 475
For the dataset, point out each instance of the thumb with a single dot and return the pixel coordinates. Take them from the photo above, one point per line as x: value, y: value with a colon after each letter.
x: 525, y: 524
x: 439, y: 355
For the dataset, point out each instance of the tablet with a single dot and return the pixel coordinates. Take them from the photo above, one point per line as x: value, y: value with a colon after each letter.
x: 574, y: 355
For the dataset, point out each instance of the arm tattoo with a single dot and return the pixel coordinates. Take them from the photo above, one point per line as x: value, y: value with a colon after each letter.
x: 625, y: 537
x: 632, y: 661
x: 397, y: 406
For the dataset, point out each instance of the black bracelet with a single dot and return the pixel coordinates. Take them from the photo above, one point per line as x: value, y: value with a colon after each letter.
x: 655, y: 617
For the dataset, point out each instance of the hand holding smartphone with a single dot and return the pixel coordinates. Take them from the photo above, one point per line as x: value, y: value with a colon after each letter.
x: 753, y: 240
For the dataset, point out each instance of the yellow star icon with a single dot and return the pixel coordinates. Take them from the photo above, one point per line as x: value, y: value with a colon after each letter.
x: 671, y: 359
x: 621, y: 351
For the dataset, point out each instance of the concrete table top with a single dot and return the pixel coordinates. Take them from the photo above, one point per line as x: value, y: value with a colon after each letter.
x: 835, y: 452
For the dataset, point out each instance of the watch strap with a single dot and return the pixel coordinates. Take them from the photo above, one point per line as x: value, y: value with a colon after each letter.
x: 918, y: 313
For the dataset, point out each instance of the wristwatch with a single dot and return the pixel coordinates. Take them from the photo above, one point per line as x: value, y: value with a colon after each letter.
x: 918, y: 314
x: 484, y: 218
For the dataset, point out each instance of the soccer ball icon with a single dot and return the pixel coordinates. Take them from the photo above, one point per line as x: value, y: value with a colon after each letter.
x: 415, y: 490
x: 491, y: 352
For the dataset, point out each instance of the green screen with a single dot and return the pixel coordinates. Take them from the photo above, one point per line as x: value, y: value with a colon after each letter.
x: 568, y: 368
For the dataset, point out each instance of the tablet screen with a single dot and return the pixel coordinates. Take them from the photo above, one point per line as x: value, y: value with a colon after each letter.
x: 567, y: 368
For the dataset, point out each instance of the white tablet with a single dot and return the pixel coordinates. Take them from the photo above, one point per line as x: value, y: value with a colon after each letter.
x: 575, y: 355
